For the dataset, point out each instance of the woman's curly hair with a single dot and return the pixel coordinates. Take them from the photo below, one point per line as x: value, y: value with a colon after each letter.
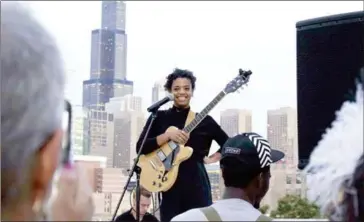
x: 179, y: 73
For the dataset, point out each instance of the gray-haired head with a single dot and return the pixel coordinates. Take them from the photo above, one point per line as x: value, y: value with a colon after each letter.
x: 32, y: 93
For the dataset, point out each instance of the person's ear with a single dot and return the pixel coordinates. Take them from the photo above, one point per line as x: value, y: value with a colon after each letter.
x: 258, y: 181
x: 46, y: 163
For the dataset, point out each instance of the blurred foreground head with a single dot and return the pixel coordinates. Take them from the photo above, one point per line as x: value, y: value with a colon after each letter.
x: 335, y: 174
x: 32, y: 87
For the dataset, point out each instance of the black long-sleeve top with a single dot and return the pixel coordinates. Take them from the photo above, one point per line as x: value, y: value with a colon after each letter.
x: 200, y: 138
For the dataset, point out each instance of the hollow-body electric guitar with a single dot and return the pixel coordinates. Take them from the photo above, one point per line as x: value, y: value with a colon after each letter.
x: 160, y: 168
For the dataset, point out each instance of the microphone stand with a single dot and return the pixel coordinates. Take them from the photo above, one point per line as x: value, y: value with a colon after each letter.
x: 137, y: 170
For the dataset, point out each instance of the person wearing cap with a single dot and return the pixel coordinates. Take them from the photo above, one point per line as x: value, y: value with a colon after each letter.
x: 245, y: 166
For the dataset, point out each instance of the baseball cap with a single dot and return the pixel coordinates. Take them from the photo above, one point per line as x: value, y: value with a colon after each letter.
x: 250, y: 149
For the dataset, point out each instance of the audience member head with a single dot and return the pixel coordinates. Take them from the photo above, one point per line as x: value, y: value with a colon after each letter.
x: 145, y: 200
x: 335, y: 173
x: 32, y: 102
x: 245, y: 165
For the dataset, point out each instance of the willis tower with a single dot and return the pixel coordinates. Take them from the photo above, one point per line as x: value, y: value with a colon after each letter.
x: 108, y: 59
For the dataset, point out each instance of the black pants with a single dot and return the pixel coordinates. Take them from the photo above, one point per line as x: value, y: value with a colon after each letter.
x: 186, y: 194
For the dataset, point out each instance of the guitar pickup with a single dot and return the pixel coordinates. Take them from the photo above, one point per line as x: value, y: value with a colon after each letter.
x: 172, y: 145
x: 161, y: 155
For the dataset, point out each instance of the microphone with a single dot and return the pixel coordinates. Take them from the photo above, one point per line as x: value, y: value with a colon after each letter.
x: 160, y: 103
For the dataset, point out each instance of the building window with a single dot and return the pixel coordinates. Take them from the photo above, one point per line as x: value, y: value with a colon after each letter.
x: 298, y: 179
x: 290, y: 191
x: 298, y: 192
x: 289, y: 179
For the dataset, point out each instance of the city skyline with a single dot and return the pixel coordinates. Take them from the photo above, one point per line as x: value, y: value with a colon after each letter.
x: 164, y: 37
x: 117, y: 60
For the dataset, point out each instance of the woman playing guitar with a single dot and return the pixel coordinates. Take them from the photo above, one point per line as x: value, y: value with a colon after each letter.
x: 192, y: 188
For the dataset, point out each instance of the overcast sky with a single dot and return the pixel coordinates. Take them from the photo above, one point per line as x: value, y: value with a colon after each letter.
x: 212, y: 39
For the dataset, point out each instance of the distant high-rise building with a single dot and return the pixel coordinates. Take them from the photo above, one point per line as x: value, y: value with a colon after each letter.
x: 113, y: 15
x: 110, y: 183
x: 110, y: 180
x: 282, y: 133
x: 124, y: 103
x: 90, y: 164
x: 128, y: 122
x: 78, y: 117
x: 213, y: 171
x: 108, y: 59
x: 126, y: 130
x: 158, y: 93
x: 97, y: 126
x: 235, y: 121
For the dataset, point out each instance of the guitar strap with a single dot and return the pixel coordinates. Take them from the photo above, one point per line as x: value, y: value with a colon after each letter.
x: 191, y: 115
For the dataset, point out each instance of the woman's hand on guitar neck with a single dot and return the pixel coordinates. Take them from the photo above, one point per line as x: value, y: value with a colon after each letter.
x: 178, y: 136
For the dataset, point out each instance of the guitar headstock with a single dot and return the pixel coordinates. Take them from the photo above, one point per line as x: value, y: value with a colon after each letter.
x: 238, y: 82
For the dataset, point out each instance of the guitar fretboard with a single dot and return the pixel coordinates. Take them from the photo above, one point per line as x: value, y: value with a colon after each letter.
x: 199, y: 117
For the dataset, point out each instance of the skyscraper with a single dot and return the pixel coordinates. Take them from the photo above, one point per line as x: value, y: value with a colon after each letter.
x: 125, y: 103
x: 97, y: 127
x: 108, y: 59
x: 113, y: 15
x: 282, y: 133
x: 235, y: 121
x: 78, y: 117
x: 128, y: 122
x: 159, y: 93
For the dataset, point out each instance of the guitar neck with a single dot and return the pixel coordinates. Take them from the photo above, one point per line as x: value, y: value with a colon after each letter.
x: 199, y: 117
